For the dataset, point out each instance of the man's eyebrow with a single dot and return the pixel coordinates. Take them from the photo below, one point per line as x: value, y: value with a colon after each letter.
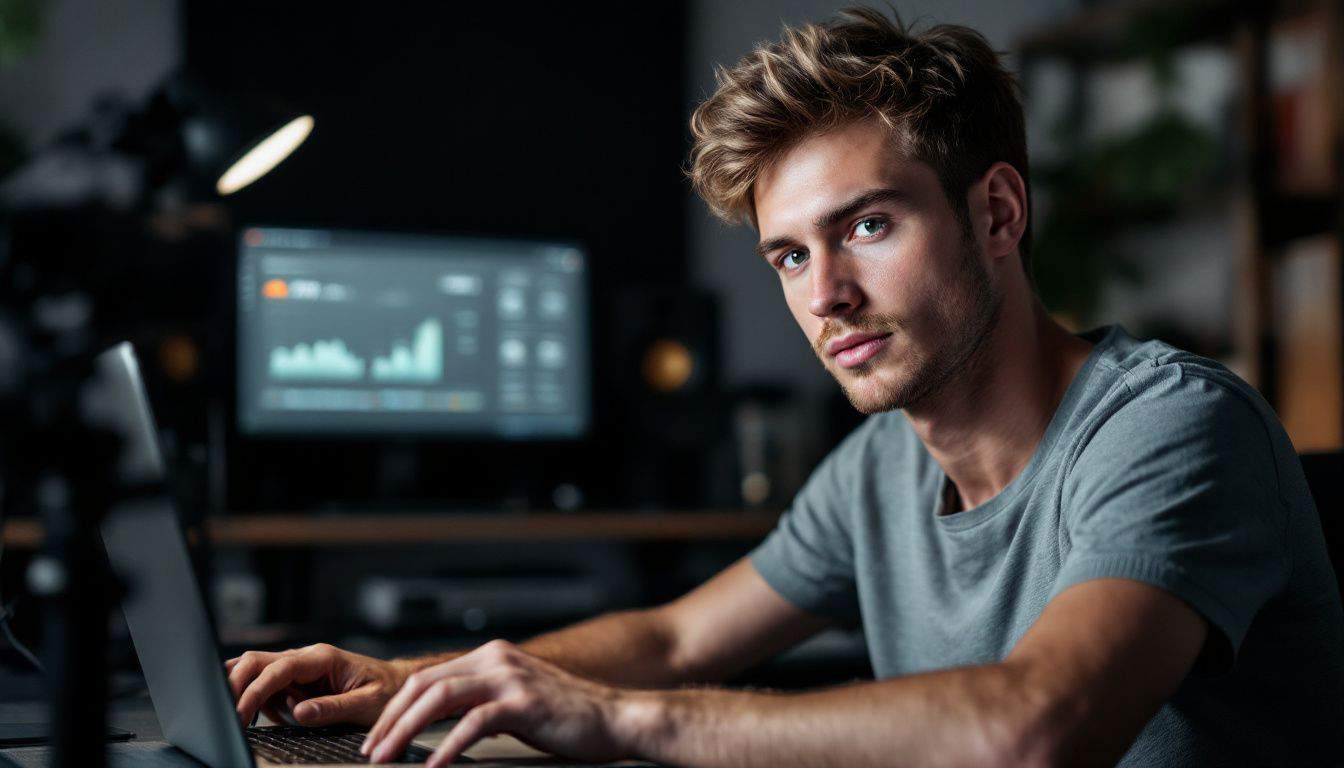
x: 858, y: 203
x: 764, y: 248
x: 829, y: 219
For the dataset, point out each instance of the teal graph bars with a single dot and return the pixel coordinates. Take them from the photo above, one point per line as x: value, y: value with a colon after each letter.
x: 328, y: 360
x: 422, y: 361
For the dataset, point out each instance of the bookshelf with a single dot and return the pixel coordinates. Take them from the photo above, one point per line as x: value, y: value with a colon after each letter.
x: 1284, y: 195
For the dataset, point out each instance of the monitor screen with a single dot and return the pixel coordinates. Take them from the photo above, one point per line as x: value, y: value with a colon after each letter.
x: 363, y: 333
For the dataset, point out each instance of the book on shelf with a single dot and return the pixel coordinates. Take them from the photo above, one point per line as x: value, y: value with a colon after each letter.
x: 1307, y: 323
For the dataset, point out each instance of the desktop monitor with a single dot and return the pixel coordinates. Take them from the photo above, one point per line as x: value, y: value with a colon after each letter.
x: 377, y: 334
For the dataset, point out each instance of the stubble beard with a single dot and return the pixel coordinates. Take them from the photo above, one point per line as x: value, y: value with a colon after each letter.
x: 965, y: 321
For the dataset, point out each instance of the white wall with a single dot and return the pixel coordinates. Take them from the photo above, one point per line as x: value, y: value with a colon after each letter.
x: 761, y: 342
x: 87, y: 48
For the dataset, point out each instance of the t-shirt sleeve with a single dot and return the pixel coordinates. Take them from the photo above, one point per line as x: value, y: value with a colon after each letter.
x: 1179, y: 489
x: 809, y: 556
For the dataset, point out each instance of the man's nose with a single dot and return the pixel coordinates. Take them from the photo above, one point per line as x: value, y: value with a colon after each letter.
x: 834, y: 291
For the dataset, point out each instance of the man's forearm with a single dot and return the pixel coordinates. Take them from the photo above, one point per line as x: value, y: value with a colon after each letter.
x: 628, y: 648
x: 964, y: 717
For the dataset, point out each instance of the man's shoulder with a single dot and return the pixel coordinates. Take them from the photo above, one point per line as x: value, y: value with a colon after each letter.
x: 1165, y: 401
x: 1152, y: 379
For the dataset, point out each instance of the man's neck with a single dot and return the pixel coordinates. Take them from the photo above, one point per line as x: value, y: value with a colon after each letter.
x: 983, y: 427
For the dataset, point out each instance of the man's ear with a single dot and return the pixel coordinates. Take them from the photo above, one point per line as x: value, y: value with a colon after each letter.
x: 1003, y: 208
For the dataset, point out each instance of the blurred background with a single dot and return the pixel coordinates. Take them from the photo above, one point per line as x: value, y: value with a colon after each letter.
x: 474, y: 362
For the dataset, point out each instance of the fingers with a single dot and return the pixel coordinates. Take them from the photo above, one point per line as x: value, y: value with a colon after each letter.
x: 277, y: 676
x: 409, y: 692
x: 358, y: 706
x: 481, y: 721
x: 435, y: 701
x: 244, y: 669
x: 482, y: 658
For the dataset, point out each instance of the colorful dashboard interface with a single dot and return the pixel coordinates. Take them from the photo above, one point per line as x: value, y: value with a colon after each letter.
x: 363, y: 333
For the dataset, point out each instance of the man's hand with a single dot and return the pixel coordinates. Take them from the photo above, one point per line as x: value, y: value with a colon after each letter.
x: 319, y: 684
x: 501, y: 688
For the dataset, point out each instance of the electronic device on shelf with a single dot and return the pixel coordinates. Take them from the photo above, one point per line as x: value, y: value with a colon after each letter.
x: 364, y: 334
x: 475, y: 603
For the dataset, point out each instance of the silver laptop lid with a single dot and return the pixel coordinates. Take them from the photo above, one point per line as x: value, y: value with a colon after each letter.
x: 163, y: 605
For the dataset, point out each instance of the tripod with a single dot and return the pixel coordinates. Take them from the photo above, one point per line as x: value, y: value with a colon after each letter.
x: 60, y: 463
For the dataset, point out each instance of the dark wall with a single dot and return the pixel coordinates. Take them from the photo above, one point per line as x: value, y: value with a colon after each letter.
x: 537, y: 119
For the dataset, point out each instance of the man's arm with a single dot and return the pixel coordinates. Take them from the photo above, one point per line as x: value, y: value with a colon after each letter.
x: 1077, y: 688
x: 722, y: 627
x: 727, y: 624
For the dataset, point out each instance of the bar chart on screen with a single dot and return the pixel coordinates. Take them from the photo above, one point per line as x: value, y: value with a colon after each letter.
x: 363, y: 332
x: 422, y: 361
x: 321, y: 360
x: 419, y: 361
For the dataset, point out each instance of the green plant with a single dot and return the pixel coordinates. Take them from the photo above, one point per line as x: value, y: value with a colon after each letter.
x: 1101, y: 188
x: 1141, y: 177
x: 20, y: 27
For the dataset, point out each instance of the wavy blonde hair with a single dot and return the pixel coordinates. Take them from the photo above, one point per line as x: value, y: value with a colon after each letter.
x: 944, y: 93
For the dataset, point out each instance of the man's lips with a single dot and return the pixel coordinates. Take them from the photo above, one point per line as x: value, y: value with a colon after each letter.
x: 835, y: 346
x: 854, y: 348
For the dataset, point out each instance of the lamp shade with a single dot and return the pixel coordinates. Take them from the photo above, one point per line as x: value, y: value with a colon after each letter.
x: 233, y: 140
x: 256, y: 161
x: 220, y: 141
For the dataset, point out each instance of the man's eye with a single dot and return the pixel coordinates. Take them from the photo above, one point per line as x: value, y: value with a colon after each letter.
x: 793, y: 259
x: 869, y: 227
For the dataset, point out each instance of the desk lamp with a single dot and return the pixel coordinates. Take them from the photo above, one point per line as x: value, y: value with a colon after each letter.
x: 228, y: 141
x: 216, y: 144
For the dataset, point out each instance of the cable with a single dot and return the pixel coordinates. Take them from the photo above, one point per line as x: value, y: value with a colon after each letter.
x: 7, y: 610
x: 5, y: 613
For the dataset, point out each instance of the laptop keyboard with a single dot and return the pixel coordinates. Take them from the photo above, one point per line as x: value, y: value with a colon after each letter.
x: 316, y: 746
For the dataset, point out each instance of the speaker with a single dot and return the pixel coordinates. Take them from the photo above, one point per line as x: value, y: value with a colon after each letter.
x: 666, y: 370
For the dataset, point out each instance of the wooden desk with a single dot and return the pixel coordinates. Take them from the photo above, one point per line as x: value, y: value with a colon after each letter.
x: 287, y: 529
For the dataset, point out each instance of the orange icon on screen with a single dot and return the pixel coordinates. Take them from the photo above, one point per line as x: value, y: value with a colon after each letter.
x: 275, y: 289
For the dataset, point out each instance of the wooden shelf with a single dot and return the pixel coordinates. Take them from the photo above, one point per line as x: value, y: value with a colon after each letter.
x: 1098, y: 33
x: 285, y: 529
x: 1287, y: 171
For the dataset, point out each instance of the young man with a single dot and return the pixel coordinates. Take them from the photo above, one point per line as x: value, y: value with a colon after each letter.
x: 1063, y: 549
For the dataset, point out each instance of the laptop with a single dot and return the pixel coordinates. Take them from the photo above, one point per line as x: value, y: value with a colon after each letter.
x: 166, y: 614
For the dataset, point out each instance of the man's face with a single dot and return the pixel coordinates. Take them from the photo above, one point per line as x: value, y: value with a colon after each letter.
x: 886, y: 283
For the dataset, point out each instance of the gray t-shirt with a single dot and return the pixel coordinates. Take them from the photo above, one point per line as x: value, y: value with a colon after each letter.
x: 1158, y: 466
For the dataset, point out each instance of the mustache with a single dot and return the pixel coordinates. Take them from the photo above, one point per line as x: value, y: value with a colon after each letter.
x: 865, y: 324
